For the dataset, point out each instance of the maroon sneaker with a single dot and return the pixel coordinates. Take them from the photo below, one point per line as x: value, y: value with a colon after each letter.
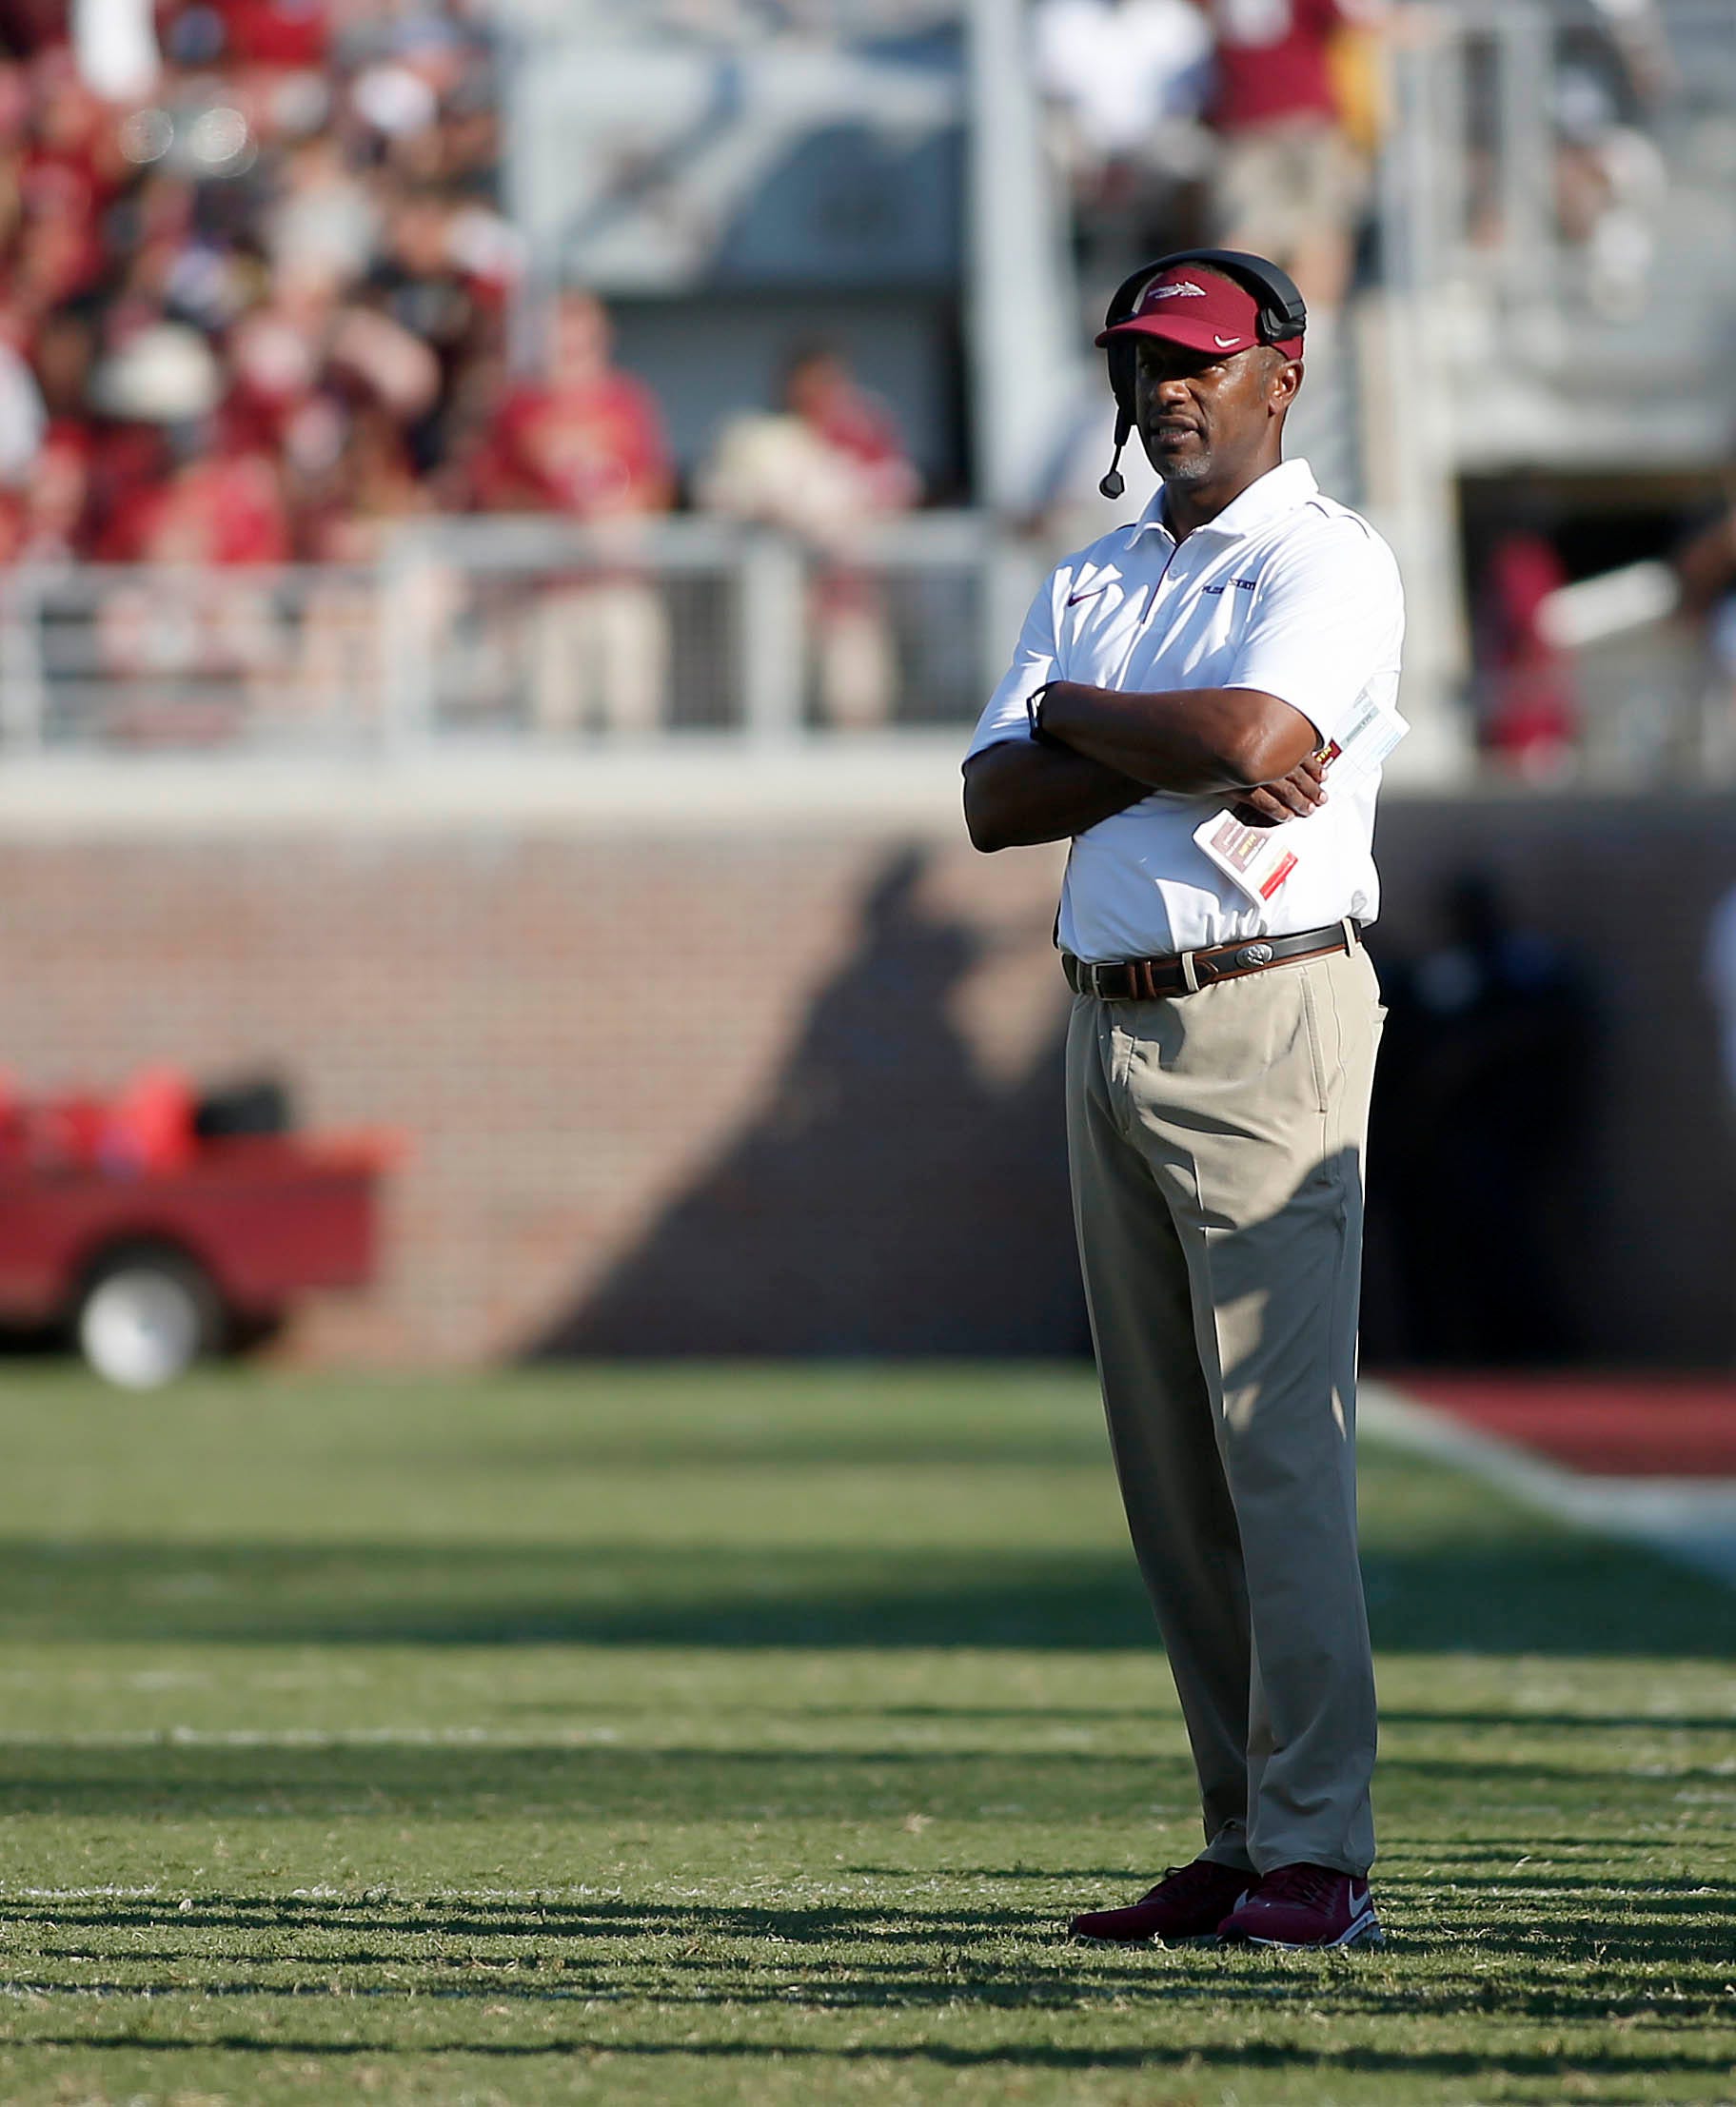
x: 1306, y: 1905
x: 1187, y: 1902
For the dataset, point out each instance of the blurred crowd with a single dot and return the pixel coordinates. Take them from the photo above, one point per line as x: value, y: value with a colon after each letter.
x: 259, y: 304
x: 253, y: 275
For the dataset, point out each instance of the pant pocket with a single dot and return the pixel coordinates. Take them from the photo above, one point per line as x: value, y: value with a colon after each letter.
x: 1317, y: 1050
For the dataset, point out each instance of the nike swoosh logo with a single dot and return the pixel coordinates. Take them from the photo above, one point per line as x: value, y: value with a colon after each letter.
x: 1225, y: 343
x: 1074, y: 598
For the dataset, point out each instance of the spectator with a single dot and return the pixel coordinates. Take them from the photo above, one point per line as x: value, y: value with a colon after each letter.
x: 42, y: 519
x: 220, y: 506
x: 324, y: 220
x: 1126, y: 81
x: 1610, y: 178
x: 358, y: 483
x: 588, y: 444
x: 1290, y: 183
x: 223, y: 505
x: 1528, y: 713
x: 823, y: 465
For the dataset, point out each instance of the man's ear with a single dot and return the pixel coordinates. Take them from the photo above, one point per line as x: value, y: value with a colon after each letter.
x: 1286, y: 380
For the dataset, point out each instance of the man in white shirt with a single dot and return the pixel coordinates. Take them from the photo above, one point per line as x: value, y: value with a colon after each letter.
x: 1213, y: 655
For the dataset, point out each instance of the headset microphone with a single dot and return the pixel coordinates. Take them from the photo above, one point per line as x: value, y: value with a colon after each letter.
x: 1112, y: 484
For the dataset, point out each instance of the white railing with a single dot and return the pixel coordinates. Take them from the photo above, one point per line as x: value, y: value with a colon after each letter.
x: 520, y: 630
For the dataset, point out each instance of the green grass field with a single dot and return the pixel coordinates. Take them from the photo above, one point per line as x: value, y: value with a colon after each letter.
x: 695, y: 1736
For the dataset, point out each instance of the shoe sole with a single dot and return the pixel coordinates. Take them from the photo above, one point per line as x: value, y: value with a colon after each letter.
x: 1366, y: 1931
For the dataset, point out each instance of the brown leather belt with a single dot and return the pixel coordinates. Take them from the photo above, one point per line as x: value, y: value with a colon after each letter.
x: 1187, y: 972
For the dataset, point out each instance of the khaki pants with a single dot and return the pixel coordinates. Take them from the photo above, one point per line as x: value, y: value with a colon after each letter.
x: 1280, y: 185
x: 600, y: 650
x: 1216, y: 1144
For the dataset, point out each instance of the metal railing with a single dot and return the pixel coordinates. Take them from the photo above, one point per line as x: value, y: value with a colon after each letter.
x: 519, y: 629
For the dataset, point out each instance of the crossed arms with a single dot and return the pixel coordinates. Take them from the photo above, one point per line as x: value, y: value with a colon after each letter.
x: 1116, y: 748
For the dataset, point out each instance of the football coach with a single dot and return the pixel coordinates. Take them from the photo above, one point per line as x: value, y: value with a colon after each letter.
x: 1178, y: 693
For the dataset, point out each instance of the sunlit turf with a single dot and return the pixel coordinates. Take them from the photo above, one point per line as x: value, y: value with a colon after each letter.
x: 698, y: 1735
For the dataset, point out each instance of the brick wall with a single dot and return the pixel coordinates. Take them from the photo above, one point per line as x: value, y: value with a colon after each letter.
x: 698, y: 1090
x: 582, y: 1037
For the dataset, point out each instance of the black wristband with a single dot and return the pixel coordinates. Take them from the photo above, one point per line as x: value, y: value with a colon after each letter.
x: 1033, y: 715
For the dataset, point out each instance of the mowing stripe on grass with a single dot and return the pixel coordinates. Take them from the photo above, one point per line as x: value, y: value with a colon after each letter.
x: 746, y: 1738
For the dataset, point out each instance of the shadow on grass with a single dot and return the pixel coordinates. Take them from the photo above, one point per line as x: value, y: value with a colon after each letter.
x: 297, y: 1781
x: 1544, y: 1595
x: 948, y: 2056
x: 1037, y: 1714
x: 841, y: 1959
x: 1569, y: 1722
x: 303, y: 1780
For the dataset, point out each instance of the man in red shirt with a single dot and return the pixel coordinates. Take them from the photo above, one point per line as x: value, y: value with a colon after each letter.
x: 588, y: 445
x: 187, y: 663
x: 1290, y: 184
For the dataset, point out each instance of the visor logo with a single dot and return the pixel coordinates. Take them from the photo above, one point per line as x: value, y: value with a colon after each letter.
x: 1183, y: 288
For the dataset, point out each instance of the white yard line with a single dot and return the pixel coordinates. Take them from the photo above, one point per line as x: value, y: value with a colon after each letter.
x: 1692, y: 1520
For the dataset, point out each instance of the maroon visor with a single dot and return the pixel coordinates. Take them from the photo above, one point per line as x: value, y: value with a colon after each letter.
x: 1196, y: 307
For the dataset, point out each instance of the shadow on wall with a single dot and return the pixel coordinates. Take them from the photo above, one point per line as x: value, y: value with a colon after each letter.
x: 886, y: 1199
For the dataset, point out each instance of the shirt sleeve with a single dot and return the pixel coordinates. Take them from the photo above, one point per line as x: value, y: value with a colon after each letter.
x: 1326, y: 627
x: 1034, y: 665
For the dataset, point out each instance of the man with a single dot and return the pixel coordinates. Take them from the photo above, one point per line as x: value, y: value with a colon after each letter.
x: 1123, y: 82
x: 1289, y: 178
x: 588, y: 445
x: 826, y: 463
x: 1220, y: 1062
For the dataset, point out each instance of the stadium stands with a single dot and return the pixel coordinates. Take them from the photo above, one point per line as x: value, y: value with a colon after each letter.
x: 274, y: 314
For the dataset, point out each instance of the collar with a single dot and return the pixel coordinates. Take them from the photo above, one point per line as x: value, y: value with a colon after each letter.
x: 1280, y: 489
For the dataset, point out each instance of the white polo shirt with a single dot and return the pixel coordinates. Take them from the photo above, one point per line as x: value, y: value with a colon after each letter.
x: 1285, y: 591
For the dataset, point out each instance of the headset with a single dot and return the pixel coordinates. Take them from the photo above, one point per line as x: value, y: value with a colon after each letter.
x: 1282, y: 315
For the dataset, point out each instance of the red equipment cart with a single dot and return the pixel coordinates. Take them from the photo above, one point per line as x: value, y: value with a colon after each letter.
x: 153, y: 1242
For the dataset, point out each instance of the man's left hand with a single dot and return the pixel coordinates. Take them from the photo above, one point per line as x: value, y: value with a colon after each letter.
x: 1292, y: 796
